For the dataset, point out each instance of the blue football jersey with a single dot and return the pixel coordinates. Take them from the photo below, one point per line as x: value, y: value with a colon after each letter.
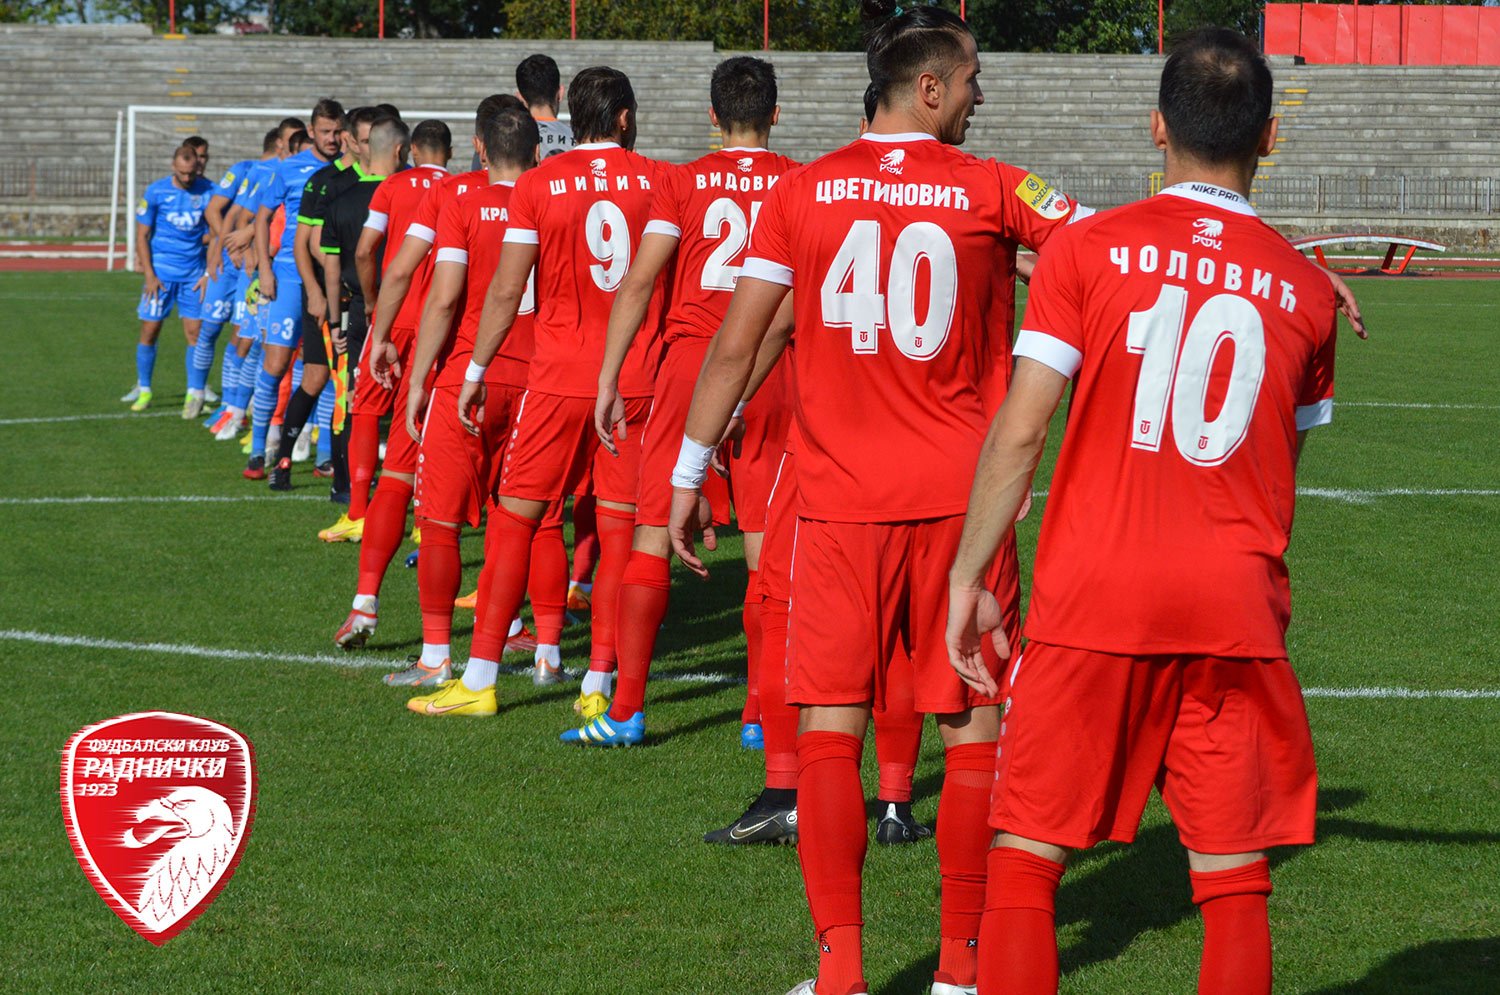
x: 284, y: 189
x: 175, y: 217
x: 229, y: 184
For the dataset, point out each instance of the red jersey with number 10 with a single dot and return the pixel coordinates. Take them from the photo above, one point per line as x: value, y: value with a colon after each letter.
x: 710, y: 206
x: 585, y: 210
x: 1200, y: 343
x: 470, y: 231
x: 901, y: 254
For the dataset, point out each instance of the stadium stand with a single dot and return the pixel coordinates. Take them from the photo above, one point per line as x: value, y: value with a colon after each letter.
x: 1360, y: 143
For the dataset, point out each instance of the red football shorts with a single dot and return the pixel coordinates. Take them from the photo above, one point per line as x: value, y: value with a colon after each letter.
x: 458, y: 474
x: 1086, y: 735
x: 553, y: 449
x: 369, y: 397
x: 753, y: 472
x: 780, y: 530
x: 661, y: 438
x: 860, y: 589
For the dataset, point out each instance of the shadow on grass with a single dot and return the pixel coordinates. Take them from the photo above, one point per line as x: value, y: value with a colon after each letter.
x: 1438, y: 966
x: 1147, y: 890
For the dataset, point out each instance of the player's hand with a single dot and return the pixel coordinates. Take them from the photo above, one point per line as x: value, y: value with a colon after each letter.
x: 728, y: 447
x: 202, y: 287
x: 1025, y: 509
x: 470, y: 406
x: 690, y: 513
x: 152, y: 288
x: 1348, y: 305
x: 267, y: 283
x: 609, y: 417
x: 317, y: 303
x: 416, y: 403
x: 385, y: 364
x: 215, y: 263
x: 973, y: 612
x: 237, y: 240
x: 337, y: 335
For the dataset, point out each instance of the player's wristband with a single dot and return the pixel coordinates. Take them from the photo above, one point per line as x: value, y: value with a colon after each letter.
x: 739, y: 409
x: 475, y: 372
x: 692, y: 465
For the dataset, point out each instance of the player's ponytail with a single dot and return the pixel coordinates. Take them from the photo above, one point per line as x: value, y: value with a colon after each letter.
x: 905, y: 38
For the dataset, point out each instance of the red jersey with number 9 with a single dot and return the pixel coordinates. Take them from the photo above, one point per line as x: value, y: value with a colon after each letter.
x: 585, y: 210
x: 1200, y: 342
x: 901, y: 254
x: 710, y: 206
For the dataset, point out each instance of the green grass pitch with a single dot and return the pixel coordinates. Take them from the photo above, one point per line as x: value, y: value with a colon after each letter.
x: 396, y: 854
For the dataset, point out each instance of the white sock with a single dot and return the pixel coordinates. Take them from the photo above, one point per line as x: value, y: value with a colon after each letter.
x: 515, y: 628
x: 598, y: 682
x: 480, y: 674
x: 550, y: 655
x: 366, y: 603
x: 237, y: 412
x: 433, y: 654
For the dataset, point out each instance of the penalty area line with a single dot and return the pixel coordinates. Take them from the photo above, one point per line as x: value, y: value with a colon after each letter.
x: 366, y: 662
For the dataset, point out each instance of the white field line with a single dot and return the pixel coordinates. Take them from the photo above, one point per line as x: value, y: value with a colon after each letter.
x: 362, y: 660
x: 68, y: 418
x: 1402, y: 404
x: 164, y: 499
x: 1353, y: 496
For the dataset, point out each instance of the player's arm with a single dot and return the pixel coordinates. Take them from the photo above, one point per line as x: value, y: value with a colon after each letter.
x: 366, y: 255
x: 263, y: 242
x: 502, y: 301
x: 329, y: 254
x: 726, y: 374
x: 394, y: 284
x: 302, y: 252
x: 143, y: 253
x: 1002, y: 486
x: 239, y: 230
x: 1348, y: 306
x: 632, y: 300
x: 436, y: 327
x: 214, y: 215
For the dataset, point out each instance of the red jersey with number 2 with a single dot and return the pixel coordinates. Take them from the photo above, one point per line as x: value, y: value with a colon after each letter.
x: 585, y: 210
x: 710, y: 206
x: 901, y: 254
x: 1199, y: 342
x: 470, y: 231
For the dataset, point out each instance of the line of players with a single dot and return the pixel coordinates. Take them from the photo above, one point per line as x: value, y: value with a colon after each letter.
x: 570, y: 308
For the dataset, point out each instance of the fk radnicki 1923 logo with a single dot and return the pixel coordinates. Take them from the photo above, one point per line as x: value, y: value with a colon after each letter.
x: 158, y: 807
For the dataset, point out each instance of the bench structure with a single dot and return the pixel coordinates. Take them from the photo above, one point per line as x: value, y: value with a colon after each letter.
x: 1391, y: 266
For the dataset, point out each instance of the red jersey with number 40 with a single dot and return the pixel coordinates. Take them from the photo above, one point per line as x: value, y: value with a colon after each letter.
x: 1200, y: 343
x: 901, y: 254
x: 470, y: 231
x: 585, y: 210
x: 710, y: 206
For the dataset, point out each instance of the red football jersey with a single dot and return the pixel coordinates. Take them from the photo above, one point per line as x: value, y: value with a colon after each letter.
x: 1199, y: 342
x: 585, y: 210
x: 710, y: 206
x: 470, y: 230
x: 423, y: 224
x: 901, y: 254
x: 395, y: 204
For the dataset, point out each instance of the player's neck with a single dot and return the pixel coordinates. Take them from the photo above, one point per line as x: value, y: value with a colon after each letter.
x: 901, y: 121
x: 602, y: 140
x: 542, y: 112
x: 504, y: 174
x: 1236, y: 178
x: 746, y: 139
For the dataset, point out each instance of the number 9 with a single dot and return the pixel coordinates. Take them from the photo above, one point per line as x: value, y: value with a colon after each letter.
x: 608, y: 237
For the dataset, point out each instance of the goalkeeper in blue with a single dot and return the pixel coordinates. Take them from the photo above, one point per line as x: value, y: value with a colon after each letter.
x: 171, y: 246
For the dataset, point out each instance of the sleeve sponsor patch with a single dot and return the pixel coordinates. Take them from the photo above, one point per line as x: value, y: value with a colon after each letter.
x: 1043, y: 198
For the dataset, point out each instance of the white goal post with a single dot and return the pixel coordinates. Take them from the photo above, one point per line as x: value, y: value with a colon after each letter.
x: 152, y: 131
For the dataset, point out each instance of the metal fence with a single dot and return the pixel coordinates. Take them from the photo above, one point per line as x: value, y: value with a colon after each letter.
x: 42, y: 181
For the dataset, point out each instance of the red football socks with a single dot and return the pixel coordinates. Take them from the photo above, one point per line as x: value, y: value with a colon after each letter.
x: 585, y: 540
x: 643, y: 604
x: 439, y: 571
x: 1236, y: 929
x: 385, y: 525
x: 1018, y: 938
x: 778, y: 719
x: 898, y: 735
x: 364, y: 453
x: 547, y: 583
x: 616, y: 530
x: 750, y: 618
x: 832, y: 838
x: 963, y: 841
x: 502, y: 582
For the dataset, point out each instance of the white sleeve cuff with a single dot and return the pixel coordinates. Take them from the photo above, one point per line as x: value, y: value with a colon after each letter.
x: 451, y: 254
x: 525, y: 236
x: 1313, y: 415
x: 659, y: 227
x: 423, y: 232
x: 764, y: 269
x: 1048, y: 350
x: 377, y: 220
